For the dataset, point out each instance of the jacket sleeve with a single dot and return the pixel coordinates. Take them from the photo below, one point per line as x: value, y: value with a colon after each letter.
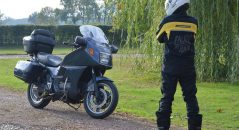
x: 163, y: 36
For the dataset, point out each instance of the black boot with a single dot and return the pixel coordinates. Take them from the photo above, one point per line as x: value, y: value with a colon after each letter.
x: 163, y: 124
x: 195, y: 122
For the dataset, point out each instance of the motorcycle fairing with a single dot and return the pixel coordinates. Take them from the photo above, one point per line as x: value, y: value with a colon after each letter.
x: 82, y: 57
x: 72, y: 74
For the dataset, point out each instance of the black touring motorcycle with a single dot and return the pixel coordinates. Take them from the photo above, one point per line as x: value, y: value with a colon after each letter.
x: 78, y: 78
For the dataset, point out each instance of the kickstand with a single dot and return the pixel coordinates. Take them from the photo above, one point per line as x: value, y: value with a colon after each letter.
x: 75, y: 108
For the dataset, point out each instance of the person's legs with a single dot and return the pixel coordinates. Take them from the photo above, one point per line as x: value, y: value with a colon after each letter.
x: 188, y: 84
x: 168, y: 90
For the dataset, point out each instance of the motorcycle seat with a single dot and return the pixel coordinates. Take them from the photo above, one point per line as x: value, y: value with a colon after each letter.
x: 49, y: 59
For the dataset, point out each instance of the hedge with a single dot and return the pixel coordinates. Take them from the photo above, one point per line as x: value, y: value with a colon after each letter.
x: 12, y: 35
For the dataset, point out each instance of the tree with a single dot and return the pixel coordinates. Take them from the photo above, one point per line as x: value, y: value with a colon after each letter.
x: 60, y: 15
x: 86, y: 8
x: 2, y: 18
x: 97, y: 13
x: 71, y: 10
x: 46, y: 16
x: 217, y: 44
x: 85, y: 11
x: 109, y: 8
x: 33, y: 18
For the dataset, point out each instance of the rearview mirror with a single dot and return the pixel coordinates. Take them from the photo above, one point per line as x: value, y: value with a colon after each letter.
x: 114, y: 49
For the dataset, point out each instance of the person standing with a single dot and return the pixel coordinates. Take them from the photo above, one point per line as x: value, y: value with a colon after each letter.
x: 178, y: 31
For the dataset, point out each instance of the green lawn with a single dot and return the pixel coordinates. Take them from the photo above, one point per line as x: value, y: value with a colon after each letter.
x: 140, y: 93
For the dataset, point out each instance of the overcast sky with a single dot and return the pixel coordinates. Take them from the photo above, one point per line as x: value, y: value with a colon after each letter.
x: 23, y: 8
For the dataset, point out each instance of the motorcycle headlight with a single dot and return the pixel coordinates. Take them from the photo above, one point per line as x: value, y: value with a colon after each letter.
x: 104, y: 58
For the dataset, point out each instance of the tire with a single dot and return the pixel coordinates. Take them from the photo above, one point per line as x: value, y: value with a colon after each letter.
x: 32, y: 98
x: 108, y: 104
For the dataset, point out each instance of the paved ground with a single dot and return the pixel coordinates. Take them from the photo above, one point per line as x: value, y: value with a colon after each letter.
x: 16, y: 113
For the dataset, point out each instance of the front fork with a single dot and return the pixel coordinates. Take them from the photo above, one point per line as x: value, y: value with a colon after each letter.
x: 96, y: 89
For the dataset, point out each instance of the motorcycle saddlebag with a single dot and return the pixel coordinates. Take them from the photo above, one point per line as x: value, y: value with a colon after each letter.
x: 28, y: 71
x: 40, y: 40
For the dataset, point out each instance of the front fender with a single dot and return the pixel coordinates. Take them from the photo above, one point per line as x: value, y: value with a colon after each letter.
x: 98, y: 79
x: 91, y: 85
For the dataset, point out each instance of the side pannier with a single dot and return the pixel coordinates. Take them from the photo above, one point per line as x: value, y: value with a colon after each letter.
x: 28, y: 71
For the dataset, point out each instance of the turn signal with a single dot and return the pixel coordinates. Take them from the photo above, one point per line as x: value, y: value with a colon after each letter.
x: 91, y: 52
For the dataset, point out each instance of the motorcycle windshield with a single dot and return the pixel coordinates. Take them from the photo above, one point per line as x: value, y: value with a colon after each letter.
x: 89, y: 31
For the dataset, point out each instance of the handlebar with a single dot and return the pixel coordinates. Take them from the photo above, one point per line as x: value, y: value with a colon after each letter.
x: 71, y: 44
x: 79, y: 42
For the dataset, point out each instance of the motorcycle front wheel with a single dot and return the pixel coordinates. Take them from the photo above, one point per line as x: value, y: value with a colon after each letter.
x: 34, y: 97
x: 105, y: 104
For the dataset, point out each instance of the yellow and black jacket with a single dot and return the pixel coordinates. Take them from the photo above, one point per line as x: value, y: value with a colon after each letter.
x: 178, y: 32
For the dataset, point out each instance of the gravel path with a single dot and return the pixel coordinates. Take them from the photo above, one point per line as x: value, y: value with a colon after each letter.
x: 2, y: 56
x: 16, y: 113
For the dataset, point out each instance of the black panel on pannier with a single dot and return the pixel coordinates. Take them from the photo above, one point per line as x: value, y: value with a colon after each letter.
x: 40, y: 40
x: 28, y: 71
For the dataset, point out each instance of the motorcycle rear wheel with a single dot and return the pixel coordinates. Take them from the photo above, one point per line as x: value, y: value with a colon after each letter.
x: 33, y: 96
x: 103, y: 107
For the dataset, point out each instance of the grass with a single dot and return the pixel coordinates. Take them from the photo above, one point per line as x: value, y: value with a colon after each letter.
x: 6, y: 75
x: 140, y: 93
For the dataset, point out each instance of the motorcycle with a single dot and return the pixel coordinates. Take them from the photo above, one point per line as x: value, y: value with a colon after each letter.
x: 78, y: 78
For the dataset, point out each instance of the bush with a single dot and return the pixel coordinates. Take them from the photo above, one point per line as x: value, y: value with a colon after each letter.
x: 12, y: 35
